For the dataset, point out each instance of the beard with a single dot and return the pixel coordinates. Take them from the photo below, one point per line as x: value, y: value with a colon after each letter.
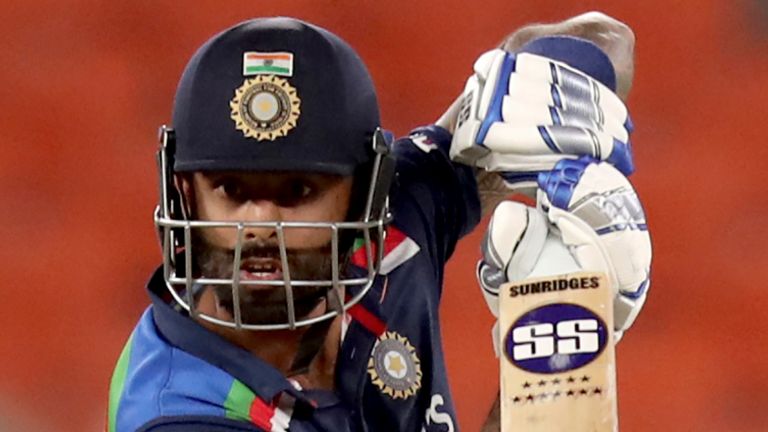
x: 265, y: 304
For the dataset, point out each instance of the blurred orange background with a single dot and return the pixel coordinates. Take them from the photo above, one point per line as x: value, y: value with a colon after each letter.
x: 84, y: 85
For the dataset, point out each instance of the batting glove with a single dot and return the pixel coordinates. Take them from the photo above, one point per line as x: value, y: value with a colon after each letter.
x: 588, y: 218
x: 522, y: 113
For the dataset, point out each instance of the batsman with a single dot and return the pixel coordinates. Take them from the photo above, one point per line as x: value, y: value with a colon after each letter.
x: 304, y: 249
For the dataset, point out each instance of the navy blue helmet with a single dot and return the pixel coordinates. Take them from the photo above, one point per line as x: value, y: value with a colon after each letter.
x: 275, y: 94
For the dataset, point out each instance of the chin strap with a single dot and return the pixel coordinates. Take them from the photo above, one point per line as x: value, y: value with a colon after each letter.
x: 311, y: 343
x: 314, y: 338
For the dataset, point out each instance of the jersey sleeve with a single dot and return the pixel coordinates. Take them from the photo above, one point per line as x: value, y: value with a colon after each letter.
x: 198, y: 424
x: 434, y: 200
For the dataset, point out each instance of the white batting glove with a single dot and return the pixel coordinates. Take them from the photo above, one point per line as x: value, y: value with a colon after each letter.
x: 522, y: 113
x: 588, y: 217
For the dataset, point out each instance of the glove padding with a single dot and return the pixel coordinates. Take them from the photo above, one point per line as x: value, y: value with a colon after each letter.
x: 522, y: 113
x: 588, y: 218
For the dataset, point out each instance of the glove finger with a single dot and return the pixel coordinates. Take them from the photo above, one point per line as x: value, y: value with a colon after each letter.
x: 490, y: 70
x: 537, y: 141
x: 512, y: 232
x: 519, y: 112
x: 571, y: 83
x: 490, y: 105
x: 545, y: 96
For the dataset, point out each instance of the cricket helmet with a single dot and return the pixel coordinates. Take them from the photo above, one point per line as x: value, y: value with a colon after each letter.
x: 275, y: 94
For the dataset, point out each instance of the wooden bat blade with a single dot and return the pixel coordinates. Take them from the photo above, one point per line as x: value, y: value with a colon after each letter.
x: 558, y: 370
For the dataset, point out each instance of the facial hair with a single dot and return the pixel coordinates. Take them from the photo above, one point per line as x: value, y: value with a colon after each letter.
x: 265, y: 304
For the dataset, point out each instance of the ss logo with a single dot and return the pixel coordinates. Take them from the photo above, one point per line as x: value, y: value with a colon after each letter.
x: 545, y: 339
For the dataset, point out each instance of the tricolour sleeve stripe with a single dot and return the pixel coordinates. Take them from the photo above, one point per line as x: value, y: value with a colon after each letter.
x: 117, y: 384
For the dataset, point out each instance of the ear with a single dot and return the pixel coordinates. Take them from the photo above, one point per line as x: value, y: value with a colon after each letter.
x: 183, y: 184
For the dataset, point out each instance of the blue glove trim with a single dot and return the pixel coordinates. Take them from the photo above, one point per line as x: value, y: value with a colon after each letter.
x: 640, y: 291
x: 560, y: 183
x: 556, y: 95
x: 520, y: 176
x: 494, y: 108
x: 629, y: 125
x: 621, y: 157
x: 555, y: 116
x: 548, y: 139
x: 622, y: 227
x: 578, y: 53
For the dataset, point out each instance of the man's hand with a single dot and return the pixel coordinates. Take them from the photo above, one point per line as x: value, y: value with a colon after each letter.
x: 617, y: 41
x: 588, y: 218
x: 521, y: 113
x: 552, y: 97
x: 613, y: 37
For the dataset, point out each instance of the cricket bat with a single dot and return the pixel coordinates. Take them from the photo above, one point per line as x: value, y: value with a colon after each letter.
x: 558, y: 369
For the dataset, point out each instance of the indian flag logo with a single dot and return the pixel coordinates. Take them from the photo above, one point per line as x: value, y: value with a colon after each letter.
x: 276, y: 63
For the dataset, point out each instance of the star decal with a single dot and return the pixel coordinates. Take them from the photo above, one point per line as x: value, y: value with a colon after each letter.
x: 394, y: 366
x: 396, y: 363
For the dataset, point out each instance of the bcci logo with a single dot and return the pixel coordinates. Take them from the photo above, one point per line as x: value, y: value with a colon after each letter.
x: 394, y: 367
x: 555, y: 338
x: 265, y: 108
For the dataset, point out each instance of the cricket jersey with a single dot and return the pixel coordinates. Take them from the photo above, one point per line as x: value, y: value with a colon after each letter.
x: 175, y: 375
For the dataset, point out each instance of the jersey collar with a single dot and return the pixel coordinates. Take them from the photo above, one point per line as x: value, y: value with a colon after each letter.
x: 184, y: 333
